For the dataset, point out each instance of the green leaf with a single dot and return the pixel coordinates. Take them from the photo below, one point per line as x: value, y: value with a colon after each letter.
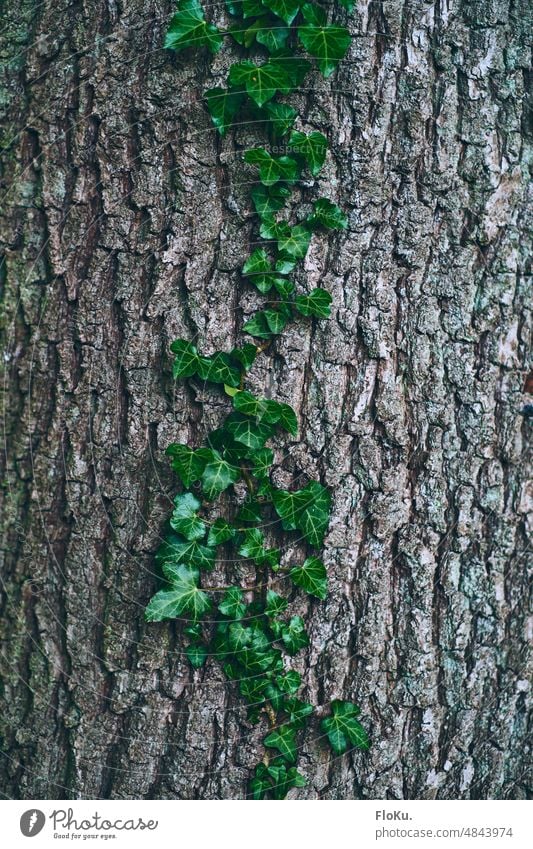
x: 271, y: 35
x: 296, y: 243
x: 232, y: 605
x: 257, y: 326
x: 290, y: 682
x: 218, y: 475
x: 343, y: 728
x: 272, y: 229
x: 188, y: 28
x: 307, y: 510
x: 196, y: 655
x: 245, y: 356
x: 285, y: 264
x: 281, y: 117
x: 311, y: 577
x: 239, y: 637
x: 272, y: 169
x: 294, y: 67
x: 275, y: 604
x: 284, y: 740
x: 287, y: 419
x: 318, y: 303
x: 329, y: 215
x: 284, y: 9
x: 268, y: 201
x: 186, y: 359
x: 277, y: 320
x: 223, y: 104
x: 183, y: 597
x: 261, y: 82
x: 284, y: 287
x: 261, y: 462
x: 249, y: 433
x: 297, y: 711
x: 253, y: 548
x: 348, y: 4
x: 190, y: 553
x: 218, y: 369
x: 250, y: 510
x: 184, y: 519
x: 294, y: 635
x: 252, y: 545
x: 193, y: 631
x: 328, y: 44
x: 313, y: 148
x: 220, y: 532
x: 186, y: 463
x: 251, y: 8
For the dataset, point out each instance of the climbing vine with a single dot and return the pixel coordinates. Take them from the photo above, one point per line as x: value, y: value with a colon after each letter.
x: 251, y: 631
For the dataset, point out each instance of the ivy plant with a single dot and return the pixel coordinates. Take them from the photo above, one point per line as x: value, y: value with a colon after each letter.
x: 252, y: 633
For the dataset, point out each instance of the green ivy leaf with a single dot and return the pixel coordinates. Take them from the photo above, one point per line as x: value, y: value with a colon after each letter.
x: 196, y: 655
x: 318, y: 303
x: 311, y: 577
x: 223, y: 104
x: 184, y: 519
x: 218, y: 475
x: 252, y: 545
x: 294, y: 635
x: 257, y: 326
x: 191, y: 553
x: 290, y: 682
x: 218, y: 369
x: 245, y: 356
x: 275, y: 604
x: 186, y: 359
x: 329, y: 215
x: 313, y: 148
x: 294, y: 67
x: 249, y: 433
x: 296, y: 243
x: 297, y: 711
x: 239, y: 636
x: 250, y: 510
x: 220, y: 532
x: 259, y: 269
x: 307, y: 510
x: 281, y: 118
x: 271, y: 35
x: 261, y: 82
x: 272, y: 169
x: 183, y: 597
x: 284, y: 9
x: 327, y: 43
x: 343, y: 728
x: 284, y: 740
x: 186, y: 463
x: 268, y: 201
x: 188, y: 28
x: 348, y: 4
x: 232, y: 605
x: 277, y: 319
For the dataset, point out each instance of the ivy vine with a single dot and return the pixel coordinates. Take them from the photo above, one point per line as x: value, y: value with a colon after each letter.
x: 251, y: 631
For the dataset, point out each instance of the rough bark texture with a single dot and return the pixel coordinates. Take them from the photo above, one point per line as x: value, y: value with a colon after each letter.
x: 124, y: 224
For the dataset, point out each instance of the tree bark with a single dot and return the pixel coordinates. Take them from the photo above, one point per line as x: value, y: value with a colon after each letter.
x: 124, y: 225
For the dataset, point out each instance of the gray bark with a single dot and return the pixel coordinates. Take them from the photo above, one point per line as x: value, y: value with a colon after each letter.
x: 124, y: 225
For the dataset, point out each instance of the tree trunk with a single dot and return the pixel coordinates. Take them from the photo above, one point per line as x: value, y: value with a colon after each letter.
x: 124, y: 225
